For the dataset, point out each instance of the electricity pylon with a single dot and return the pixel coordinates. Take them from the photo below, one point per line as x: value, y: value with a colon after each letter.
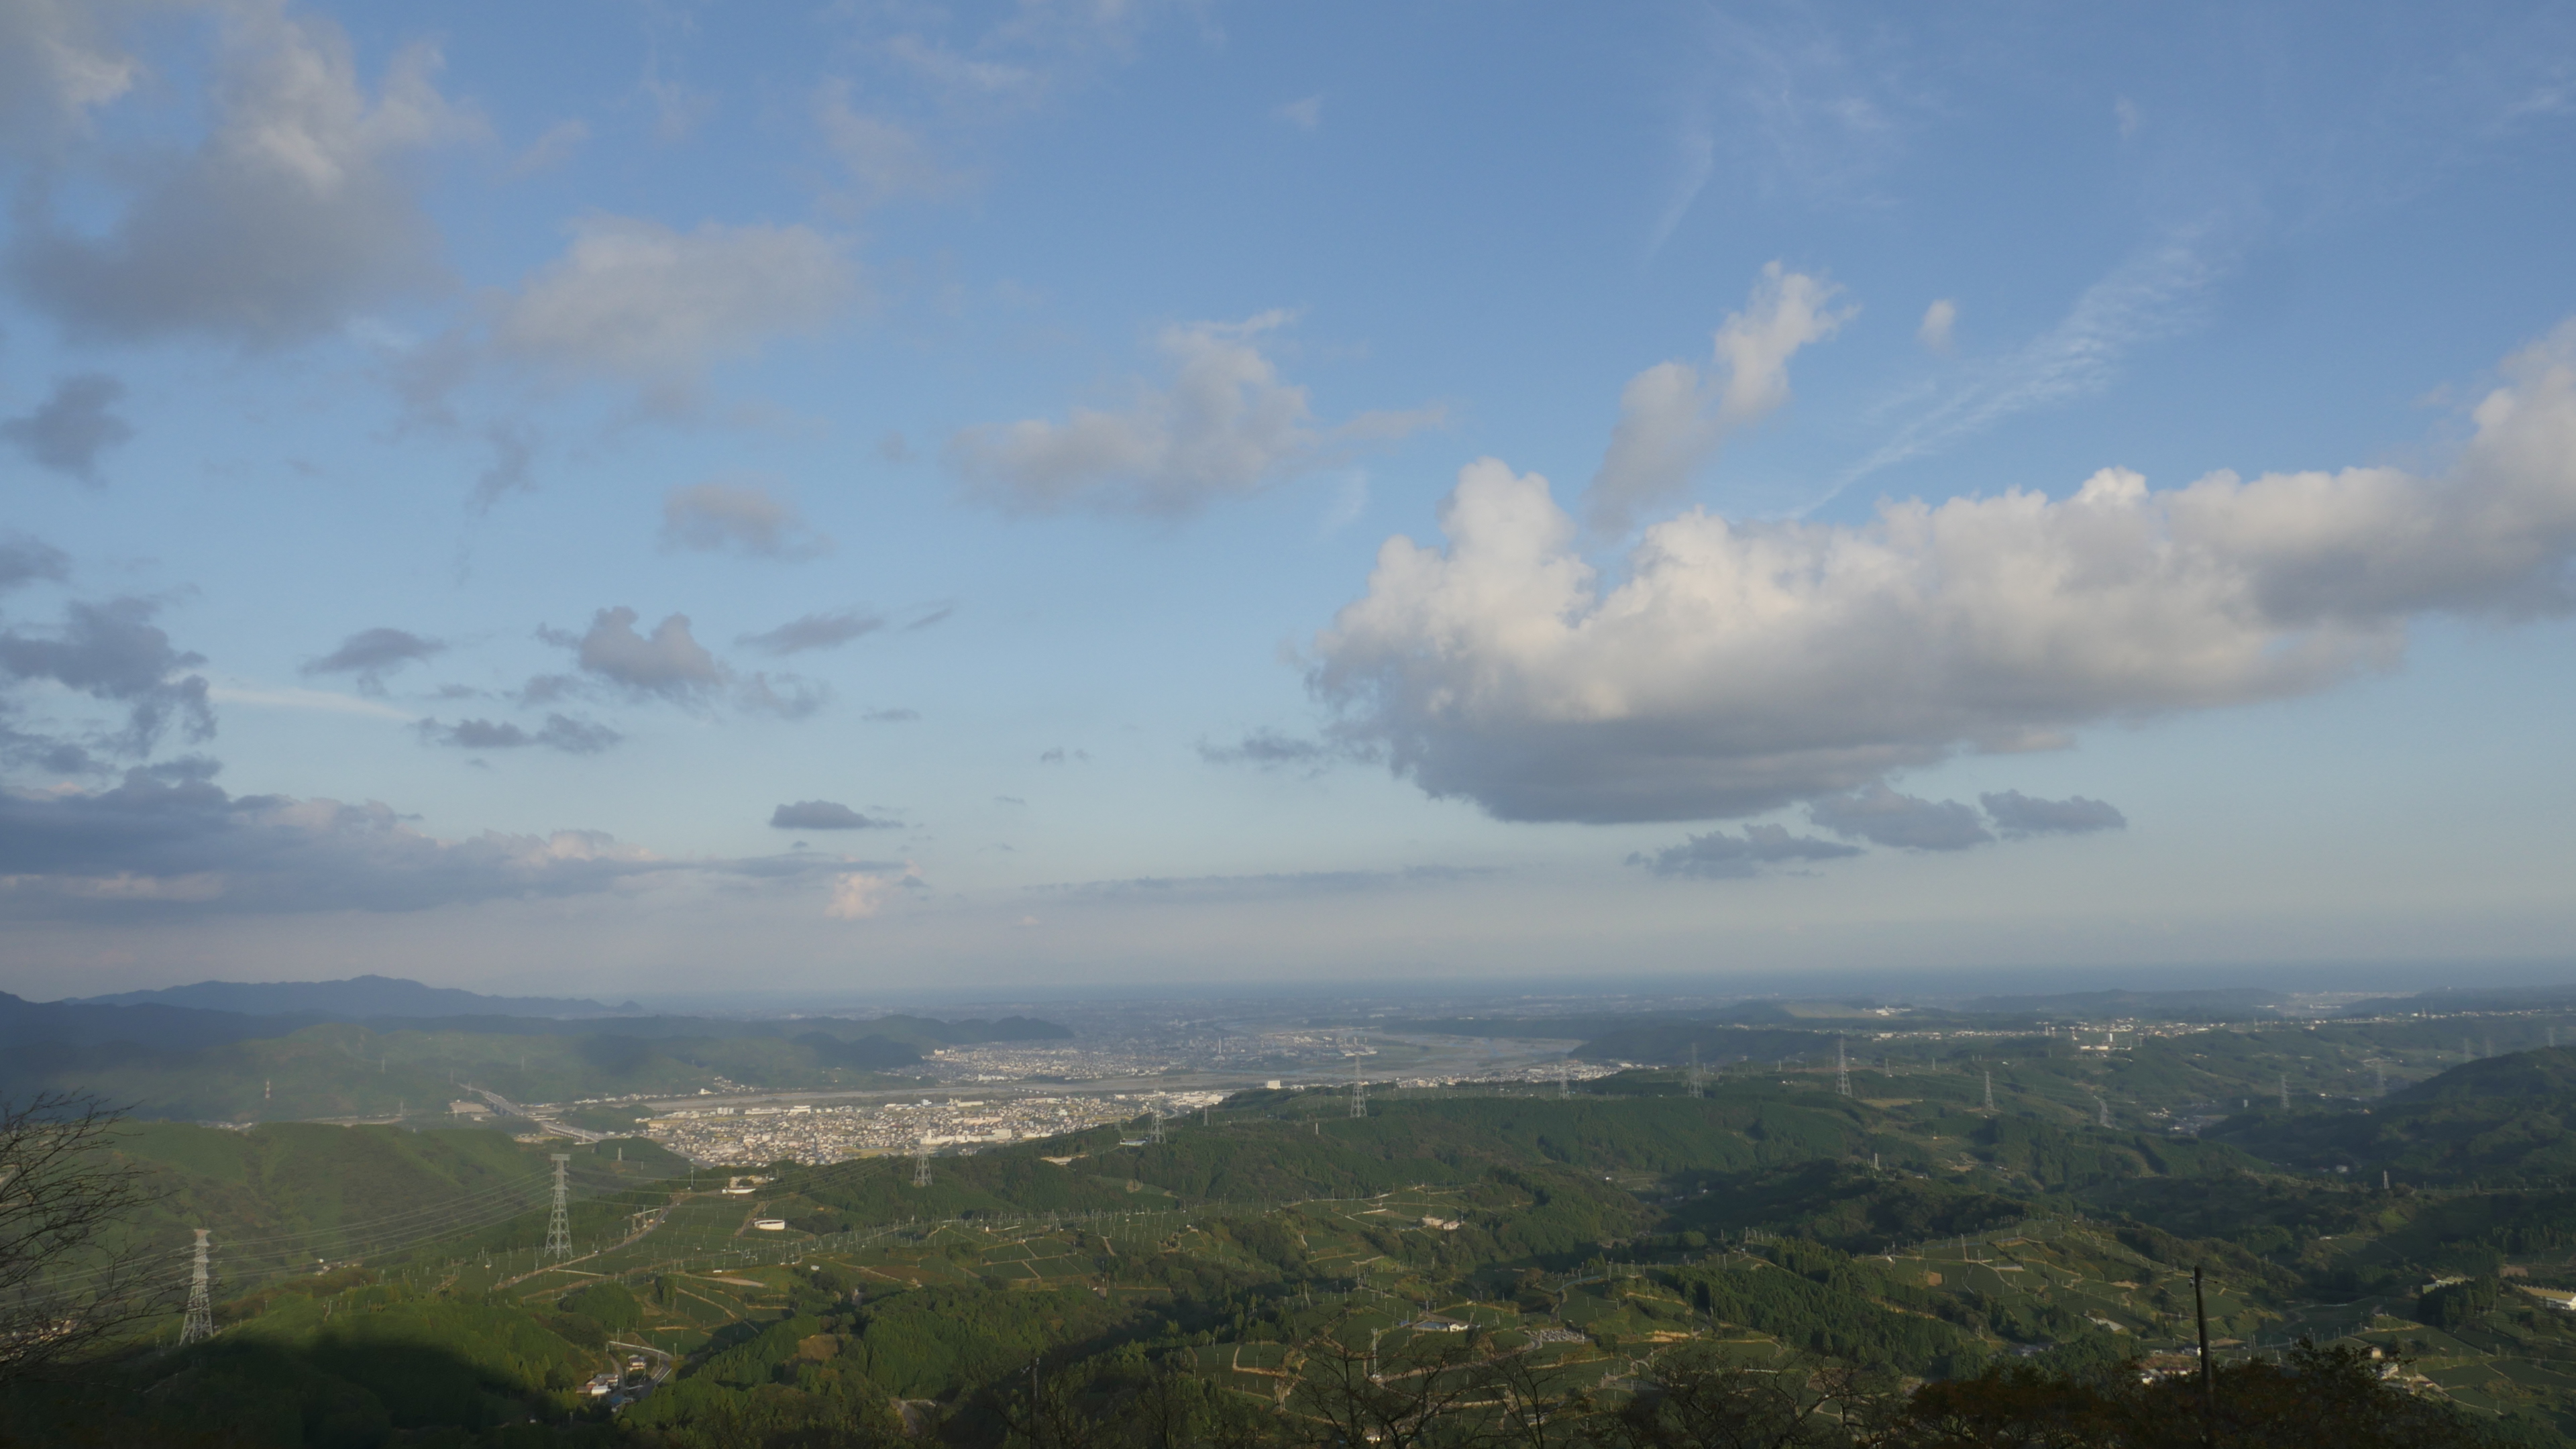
x: 200, y: 1322
x: 1359, y: 1090
x: 1990, y: 1092
x: 2106, y: 1110
x: 921, y: 1164
x: 1694, y: 1075
x: 1842, y: 1069
x: 2285, y: 1091
x: 559, y: 1223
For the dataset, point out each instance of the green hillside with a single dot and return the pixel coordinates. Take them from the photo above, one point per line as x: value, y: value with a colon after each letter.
x: 383, y: 1286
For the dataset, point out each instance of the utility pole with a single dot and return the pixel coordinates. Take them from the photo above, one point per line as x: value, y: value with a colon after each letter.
x: 2208, y: 1370
x: 1842, y: 1069
x: 200, y: 1322
x: 559, y: 1223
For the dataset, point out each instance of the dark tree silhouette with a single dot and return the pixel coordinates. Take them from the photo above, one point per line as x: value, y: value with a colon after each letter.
x: 66, y: 1285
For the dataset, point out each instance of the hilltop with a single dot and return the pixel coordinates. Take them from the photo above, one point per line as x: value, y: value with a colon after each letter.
x: 357, y: 999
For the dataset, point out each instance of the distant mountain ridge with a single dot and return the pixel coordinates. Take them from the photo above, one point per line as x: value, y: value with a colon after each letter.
x: 356, y: 997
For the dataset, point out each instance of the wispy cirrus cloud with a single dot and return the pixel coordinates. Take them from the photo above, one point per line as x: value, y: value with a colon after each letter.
x: 2160, y: 291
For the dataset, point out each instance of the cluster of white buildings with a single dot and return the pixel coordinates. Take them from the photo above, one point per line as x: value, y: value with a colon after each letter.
x: 811, y: 1133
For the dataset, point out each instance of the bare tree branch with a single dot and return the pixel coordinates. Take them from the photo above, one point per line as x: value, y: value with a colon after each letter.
x: 68, y: 1286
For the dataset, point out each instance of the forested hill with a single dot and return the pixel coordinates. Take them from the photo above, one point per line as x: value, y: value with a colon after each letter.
x: 180, y: 1062
x: 2504, y: 1121
x: 359, y: 998
x: 1581, y: 1253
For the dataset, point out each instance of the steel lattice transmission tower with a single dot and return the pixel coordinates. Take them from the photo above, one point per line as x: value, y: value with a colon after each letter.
x: 1842, y: 1069
x: 1694, y: 1075
x: 2285, y: 1091
x: 200, y: 1322
x: 559, y: 1222
x: 2106, y: 1110
x: 921, y: 1164
x: 1359, y: 1090
x: 1990, y: 1091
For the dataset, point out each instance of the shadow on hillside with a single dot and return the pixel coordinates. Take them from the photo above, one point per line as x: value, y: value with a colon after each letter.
x: 334, y: 1393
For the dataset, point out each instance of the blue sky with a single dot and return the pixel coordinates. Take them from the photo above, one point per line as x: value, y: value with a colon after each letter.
x: 1033, y: 496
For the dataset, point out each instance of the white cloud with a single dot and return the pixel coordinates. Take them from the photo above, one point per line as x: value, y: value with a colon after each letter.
x: 296, y: 210
x: 637, y: 300
x: 1305, y: 114
x: 738, y: 517
x: 1938, y: 320
x: 1671, y: 419
x: 1226, y: 426
x: 1740, y: 667
x: 856, y: 897
x: 884, y: 160
x: 562, y: 141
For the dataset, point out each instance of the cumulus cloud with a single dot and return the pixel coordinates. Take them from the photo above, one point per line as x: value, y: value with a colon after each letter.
x: 371, y: 654
x: 856, y: 897
x: 1738, y: 667
x: 111, y: 652
x: 25, y: 558
x: 296, y: 209
x: 636, y: 300
x: 560, y: 732
x: 1882, y: 816
x: 1938, y: 320
x: 1672, y: 419
x: 814, y: 631
x: 740, y: 518
x: 2018, y: 815
x: 68, y: 431
x: 1226, y: 426
x: 825, y: 815
x: 669, y: 664
x: 1720, y: 856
